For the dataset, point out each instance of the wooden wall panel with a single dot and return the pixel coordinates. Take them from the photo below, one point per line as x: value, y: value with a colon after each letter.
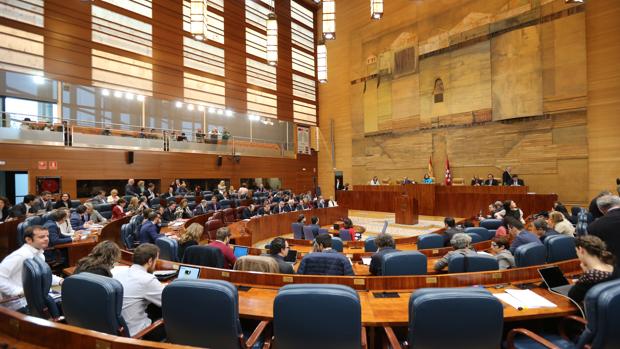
x: 83, y: 163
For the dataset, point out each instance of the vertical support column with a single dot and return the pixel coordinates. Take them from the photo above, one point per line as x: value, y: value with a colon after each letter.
x: 234, y: 53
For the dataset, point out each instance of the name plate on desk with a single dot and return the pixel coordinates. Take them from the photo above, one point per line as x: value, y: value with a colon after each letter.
x: 287, y: 279
x: 431, y: 280
x: 225, y: 274
x: 359, y: 282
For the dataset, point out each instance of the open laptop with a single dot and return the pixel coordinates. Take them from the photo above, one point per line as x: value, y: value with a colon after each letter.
x: 555, y: 280
x: 291, y: 257
x: 240, y: 251
x: 186, y: 272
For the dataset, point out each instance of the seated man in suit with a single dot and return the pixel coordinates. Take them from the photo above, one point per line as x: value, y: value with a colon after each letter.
x: 94, y: 215
x: 542, y: 229
x: 519, y: 234
x: 149, y: 231
x: 320, y: 202
x: 324, y: 260
x: 201, y: 208
x: 280, y: 208
x: 222, y: 239
x: 385, y: 244
x: 249, y: 212
x: 140, y: 287
x: 515, y: 181
x: 169, y: 213
x: 265, y: 210
x: 78, y: 218
x: 451, y: 229
x: 461, y: 243
x: 168, y: 194
x: 58, y: 218
x: 314, y: 223
x: 24, y: 208
x: 214, y: 205
x: 290, y: 206
x: 491, y: 180
x: 278, y: 249
x: 43, y: 202
x: 100, y: 198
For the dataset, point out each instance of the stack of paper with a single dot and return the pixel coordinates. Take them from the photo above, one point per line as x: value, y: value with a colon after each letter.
x: 524, y: 299
x: 366, y: 260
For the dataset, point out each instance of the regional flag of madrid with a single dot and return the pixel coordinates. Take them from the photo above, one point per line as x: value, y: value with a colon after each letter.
x: 448, y: 180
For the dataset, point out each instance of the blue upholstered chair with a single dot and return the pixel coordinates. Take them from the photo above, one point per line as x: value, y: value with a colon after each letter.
x: 560, y: 248
x: 204, y: 255
x: 21, y: 227
x: 431, y: 240
x: 478, y: 313
x: 369, y: 245
x: 602, y: 307
x: 530, y: 254
x: 136, y: 223
x: 34, y: 220
x: 308, y: 233
x: 214, y: 319
x: 298, y: 230
x: 95, y: 302
x: 154, y: 203
x: 403, y: 263
x: 484, y: 233
x: 168, y: 248
x: 36, y: 281
x: 226, y: 203
x: 128, y: 237
x: 345, y: 235
x: 76, y: 203
x: 491, y: 224
x: 334, y: 312
x: 105, y: 210
x: 475, y: 238
x: 337, y: 244
x: 323, y: 231
x: 459, y: 263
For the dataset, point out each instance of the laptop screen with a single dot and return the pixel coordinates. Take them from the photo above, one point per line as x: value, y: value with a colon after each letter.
x: 553, y: 276
x: 291, y: 256
x: 240, y: 251
x: 186, y: 272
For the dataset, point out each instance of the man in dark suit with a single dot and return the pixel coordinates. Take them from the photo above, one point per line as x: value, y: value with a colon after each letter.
x: 278, y: 249
x: 78, y: 218
x: 43, y: 202
x: 280, y: 207
x: 520, y: 235
x: 490, y: 180
x: 149, y: 231
x: 57, y: 218
x: 320, y: 202
x: 130, y: 188
x: 385, y: 244
x: 201, y: 208
x: 515, y: 181
x: 290, y: 206
x: 507, y: 176
x: 265, y: 210
x: 168, y: 215
x: 100, y: 198
x: 24, y: 208
x: 249, y: 212
x: 214, y: 205
x: 608, y: 227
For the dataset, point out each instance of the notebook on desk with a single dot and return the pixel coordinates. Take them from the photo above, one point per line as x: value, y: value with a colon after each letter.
x: 186, y: 272
x: 240, y: 251
x: 555, y: 280
x: 291, y: 257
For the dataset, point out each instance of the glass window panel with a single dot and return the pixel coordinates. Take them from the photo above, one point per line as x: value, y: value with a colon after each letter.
x: 256, y: 14
x: 118, y: 72
x: 25, y: 11
x: 20, y: 109
x: 262, y: 103
x: 20, y: 50
x: 304, y: 87
x: 302, y: 14
x: 116, y: 30
x: 303, y: 62
x: 256, y: 43
x: 202, y: 56
x: 304, y: 113
x: 204, y: 90
x: 141, y: 7
x: 27, y: 86
x: 261, y: 74
x: 302, y: 36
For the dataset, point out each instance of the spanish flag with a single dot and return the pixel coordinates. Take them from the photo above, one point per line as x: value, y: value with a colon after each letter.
x: 430, y: 167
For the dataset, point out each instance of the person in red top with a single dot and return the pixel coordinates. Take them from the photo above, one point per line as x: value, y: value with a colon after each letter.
x: 222, y: 238
x: 348, y: 225
x: 118, y: 209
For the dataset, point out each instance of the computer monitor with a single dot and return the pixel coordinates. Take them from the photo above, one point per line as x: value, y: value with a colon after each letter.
x: 553, y: 276
x: 291, y: 256
x: 240, y: 251
x: 186, y: 272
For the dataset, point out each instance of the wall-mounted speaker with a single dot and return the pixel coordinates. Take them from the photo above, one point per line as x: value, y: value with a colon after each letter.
x: 219, y: 160
x: 129, y: 157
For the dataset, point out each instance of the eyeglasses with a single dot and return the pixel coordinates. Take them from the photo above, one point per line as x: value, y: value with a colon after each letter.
x: 493, y: 244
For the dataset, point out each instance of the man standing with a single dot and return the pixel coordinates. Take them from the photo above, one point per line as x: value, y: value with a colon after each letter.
x: 36, y: 240
x: 507, y: 176
x: 130, y: 188
x: 140, y: 287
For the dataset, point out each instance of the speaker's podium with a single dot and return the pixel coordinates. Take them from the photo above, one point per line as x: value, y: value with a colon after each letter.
x: 406, y: 209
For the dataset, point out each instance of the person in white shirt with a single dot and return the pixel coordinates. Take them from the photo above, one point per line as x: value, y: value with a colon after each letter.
x: 36, y: 240
x: 332, y: 202
x: 140, y: 287
x: 375, y: 181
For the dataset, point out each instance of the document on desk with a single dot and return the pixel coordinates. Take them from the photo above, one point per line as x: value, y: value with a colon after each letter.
x: 366, y: 260
x: 524, y: 299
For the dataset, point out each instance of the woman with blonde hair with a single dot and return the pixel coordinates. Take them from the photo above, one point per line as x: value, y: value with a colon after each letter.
x: 100, y: 260
x: 190, y: 237
x: 134, y: 205
x: 222, y: 186
x: 560, y: 224
x: 183, y: 210
x: 113, y: 198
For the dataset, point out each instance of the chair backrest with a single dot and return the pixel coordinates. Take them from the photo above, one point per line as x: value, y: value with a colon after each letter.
x: 207, y: 256
x: 478, y: 313
x: 76, y: 203
x: 431, y: 240
x: 459, y: 263
x: 21, y: 227
x: 229, y: 215
x: 33, y: 288
x: 345, y: 235
x: 333, y: 310
x: 337, y: 244
x: 46, y: 283
x: 263, y: 264
x: 602, y: 306
x: 33, y: 220
x: 127, y: 235
x: 475, y: 237
x: 213, y: 321
x: 168, y: 248
x: 212, y: 226
x: 298, y: 230
x: 530, y: 254
x: 226, y: 203
x: 369, y: 245
x: 403, y: 263
x: 491, y: 224
x: 484, y: 233
x: 560, y: 248
x: 323, y: 264
x: 323, y: 231
x: 94, y: 302
x: 308, y: 232
x: 155, y: 202
x: 239, y: 211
